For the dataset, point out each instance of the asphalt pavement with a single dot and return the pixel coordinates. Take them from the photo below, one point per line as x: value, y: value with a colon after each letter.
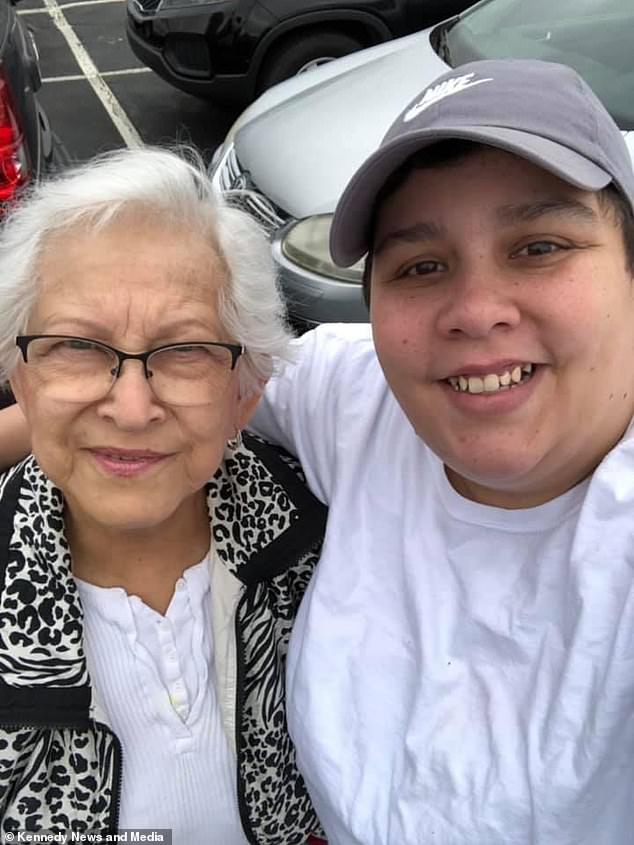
x: 97, y: 94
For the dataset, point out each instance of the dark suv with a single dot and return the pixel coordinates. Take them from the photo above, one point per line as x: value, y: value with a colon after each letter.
x: 232, y: 50
x: 28, y: 148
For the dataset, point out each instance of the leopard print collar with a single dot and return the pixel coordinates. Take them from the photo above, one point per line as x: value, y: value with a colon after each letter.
x: 255, y: 508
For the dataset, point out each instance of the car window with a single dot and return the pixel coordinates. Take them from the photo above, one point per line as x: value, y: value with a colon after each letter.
x: 595, y: 37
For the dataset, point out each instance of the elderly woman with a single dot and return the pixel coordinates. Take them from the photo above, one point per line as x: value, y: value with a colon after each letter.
x: 151, y: 561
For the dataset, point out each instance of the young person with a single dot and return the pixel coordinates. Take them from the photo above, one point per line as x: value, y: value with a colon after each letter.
x: 460, y: 671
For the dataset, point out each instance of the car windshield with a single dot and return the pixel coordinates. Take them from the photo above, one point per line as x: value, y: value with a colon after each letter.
x: 596, y: 37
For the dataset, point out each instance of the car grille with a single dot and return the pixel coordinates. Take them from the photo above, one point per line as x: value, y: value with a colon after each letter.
x: 240, y: 191
x: 147, y: 6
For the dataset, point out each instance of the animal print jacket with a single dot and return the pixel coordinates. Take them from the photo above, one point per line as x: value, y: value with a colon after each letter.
x: 60, y: 763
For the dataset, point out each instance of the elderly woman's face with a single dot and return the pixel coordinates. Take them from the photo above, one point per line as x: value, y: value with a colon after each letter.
x: 503, y: 316
x: 129, y: 460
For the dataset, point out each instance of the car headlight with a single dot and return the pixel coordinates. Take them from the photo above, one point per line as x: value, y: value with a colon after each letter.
x: 306, y: 244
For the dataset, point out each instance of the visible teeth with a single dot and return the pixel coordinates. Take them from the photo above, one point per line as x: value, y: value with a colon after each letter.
x: 491, y: 383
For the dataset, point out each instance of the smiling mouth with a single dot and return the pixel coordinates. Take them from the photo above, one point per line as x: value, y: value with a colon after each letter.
x: 128, y: 458
x: 493, y: 382
x: 132, y: 459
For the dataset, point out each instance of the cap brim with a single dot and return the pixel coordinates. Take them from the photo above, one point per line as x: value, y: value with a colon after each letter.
x: 350, y: 227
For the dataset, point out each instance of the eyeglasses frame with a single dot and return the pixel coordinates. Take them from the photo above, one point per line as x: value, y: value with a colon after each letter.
x: 23, y: 341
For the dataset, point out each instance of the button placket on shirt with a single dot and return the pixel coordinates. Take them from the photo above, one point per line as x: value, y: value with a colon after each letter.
x: 176, y: 689
x: 185, y: 617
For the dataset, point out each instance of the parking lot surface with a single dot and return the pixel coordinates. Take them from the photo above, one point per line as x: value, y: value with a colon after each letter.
x: 97, y: 94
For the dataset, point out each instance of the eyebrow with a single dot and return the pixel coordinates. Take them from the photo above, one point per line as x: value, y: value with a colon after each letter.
x: 96, y: 329
x: 82, y: 324
x: 506, y: 215
x: 419, y: 232
x: 509, y: 215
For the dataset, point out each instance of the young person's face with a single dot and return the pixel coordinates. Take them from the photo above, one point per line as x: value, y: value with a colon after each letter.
x: 486, y: 269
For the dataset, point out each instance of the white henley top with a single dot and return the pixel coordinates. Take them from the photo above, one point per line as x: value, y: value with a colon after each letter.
x: 153, y: 677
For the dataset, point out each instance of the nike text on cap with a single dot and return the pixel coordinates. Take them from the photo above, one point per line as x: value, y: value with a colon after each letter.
x: 541, y: 111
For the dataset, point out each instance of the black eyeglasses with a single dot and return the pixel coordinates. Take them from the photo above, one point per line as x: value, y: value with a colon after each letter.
x: 79, y: 369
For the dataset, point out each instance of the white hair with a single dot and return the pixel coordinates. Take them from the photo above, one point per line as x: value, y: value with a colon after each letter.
x: 172, y: 189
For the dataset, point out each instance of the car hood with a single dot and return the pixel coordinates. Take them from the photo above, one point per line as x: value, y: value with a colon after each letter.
x: 287, y: 144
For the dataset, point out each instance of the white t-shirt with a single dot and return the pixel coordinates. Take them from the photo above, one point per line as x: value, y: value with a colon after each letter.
x: 458, y: 674
x: 153, y: 676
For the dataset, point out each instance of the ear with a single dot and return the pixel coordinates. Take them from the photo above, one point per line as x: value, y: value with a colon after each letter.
x: 247, y: 404
x: 15, y: 440
x: 17, y: 388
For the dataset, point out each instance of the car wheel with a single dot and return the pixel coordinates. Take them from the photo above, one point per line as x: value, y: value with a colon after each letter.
x: 302, y: 53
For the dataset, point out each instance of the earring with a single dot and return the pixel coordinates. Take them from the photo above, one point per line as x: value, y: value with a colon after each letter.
x: 236, y: 441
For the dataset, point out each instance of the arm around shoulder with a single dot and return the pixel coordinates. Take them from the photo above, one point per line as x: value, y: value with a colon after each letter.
x: 302, y: 406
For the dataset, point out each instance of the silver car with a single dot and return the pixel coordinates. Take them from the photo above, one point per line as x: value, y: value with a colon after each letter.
x: 289, y: 155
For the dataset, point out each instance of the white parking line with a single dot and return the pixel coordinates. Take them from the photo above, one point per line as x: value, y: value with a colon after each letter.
x: 88, y: 3
x: 45, y: 11
x: 116, y: 113
x: 106, y: 73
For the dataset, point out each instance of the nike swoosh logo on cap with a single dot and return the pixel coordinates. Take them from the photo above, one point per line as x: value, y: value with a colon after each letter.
x: 442, y: 90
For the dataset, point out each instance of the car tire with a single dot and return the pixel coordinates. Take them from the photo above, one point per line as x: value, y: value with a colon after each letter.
x: 298, y: 53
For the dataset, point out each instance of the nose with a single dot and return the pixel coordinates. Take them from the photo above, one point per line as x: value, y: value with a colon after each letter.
x: 478, y: 304
x: 131, y: 403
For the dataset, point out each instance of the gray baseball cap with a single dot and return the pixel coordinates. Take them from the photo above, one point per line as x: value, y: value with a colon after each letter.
x: 540, y: 111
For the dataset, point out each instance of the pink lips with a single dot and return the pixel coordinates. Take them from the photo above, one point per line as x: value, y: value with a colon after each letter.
x: 484, y: 369
x: 127, y: 463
